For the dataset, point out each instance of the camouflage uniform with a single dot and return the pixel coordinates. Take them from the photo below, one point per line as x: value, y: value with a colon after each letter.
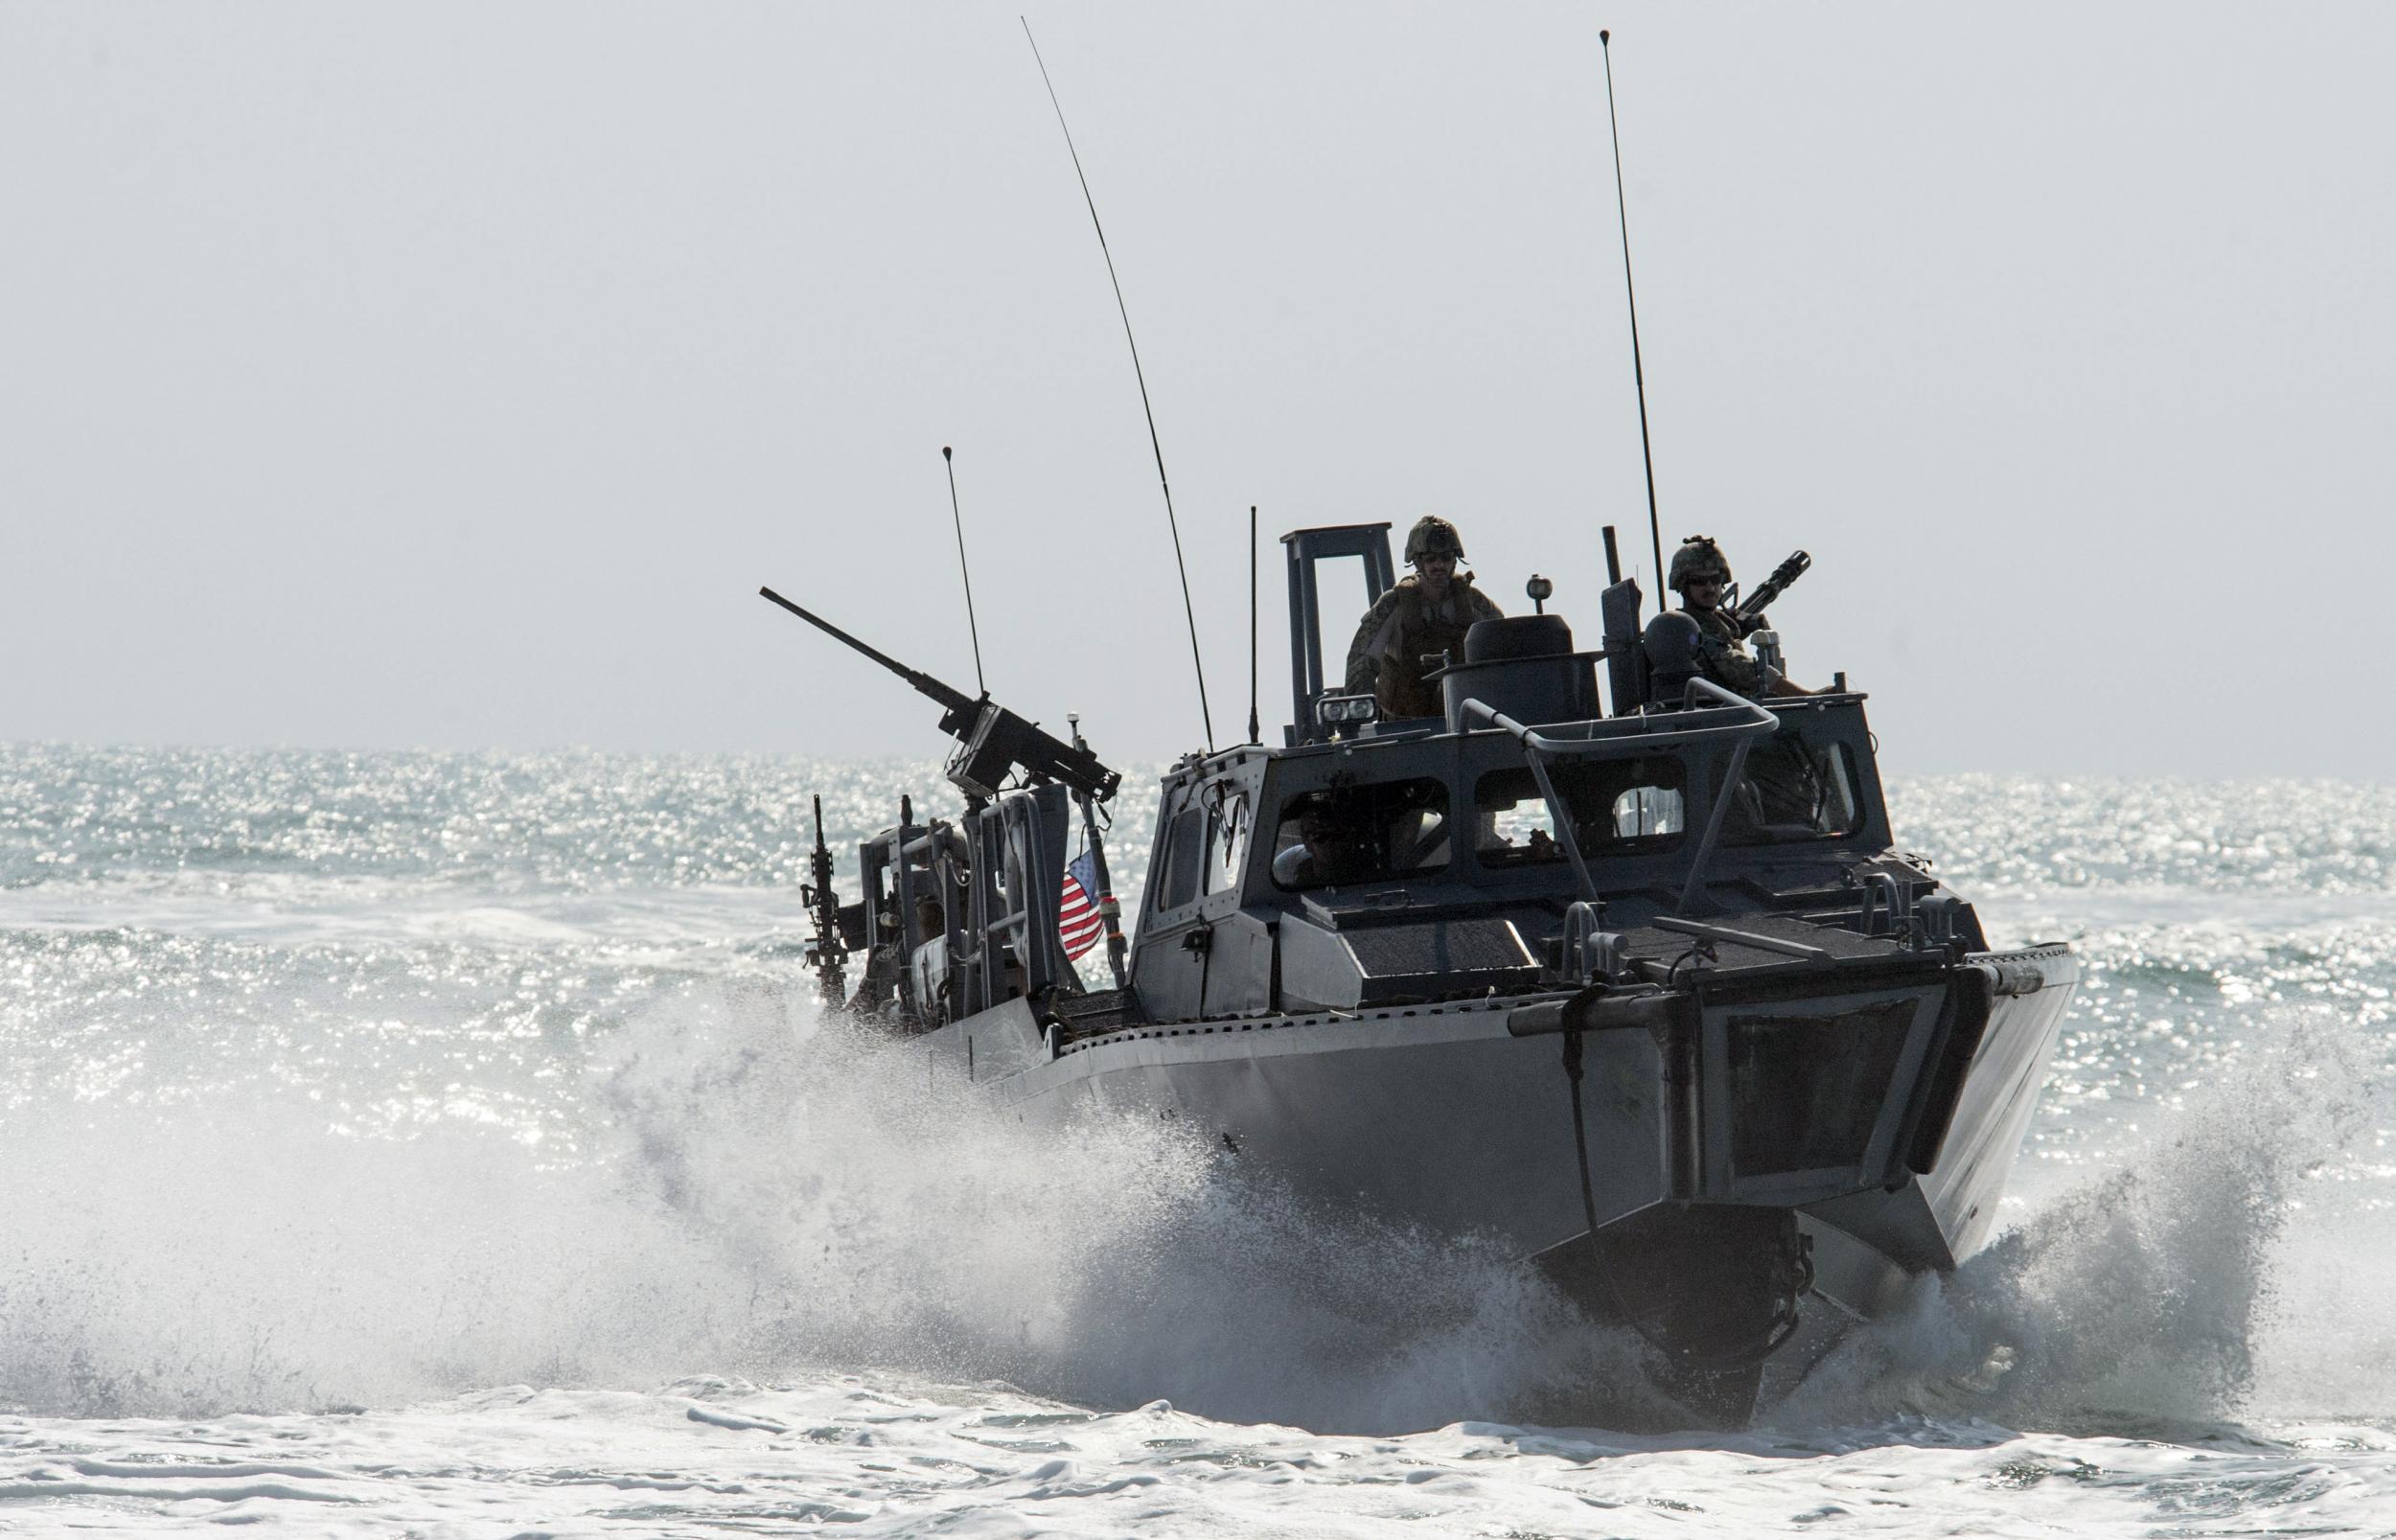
x: 1400, y: 629
x: 1722, y: 654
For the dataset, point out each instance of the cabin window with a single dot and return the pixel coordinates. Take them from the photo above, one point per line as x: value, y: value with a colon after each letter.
x: 1344, y: 835
x: 1794, y: 789
x: 1184, y: 858
x: 1228, y: 822
x: 1206, y: 845
x: 1618, y: 807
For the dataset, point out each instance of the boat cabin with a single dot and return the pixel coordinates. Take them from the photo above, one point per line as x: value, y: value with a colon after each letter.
x: 1366, y: 863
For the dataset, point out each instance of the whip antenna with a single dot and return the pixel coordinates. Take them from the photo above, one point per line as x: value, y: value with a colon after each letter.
x: 948, y: 458
x: 1253, y: 731
x: 1187, y: 611
x: 1638, y: 371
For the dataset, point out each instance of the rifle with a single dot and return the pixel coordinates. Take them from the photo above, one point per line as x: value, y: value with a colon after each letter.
x: 992, y: 742
x: 1745, y: 612
x: 823, y: 904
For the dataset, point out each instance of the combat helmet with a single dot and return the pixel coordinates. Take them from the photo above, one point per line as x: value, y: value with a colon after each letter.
x: 1432, y: 536
x: 1698, y: 556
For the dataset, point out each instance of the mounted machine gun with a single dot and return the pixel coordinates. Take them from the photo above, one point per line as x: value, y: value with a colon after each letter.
x: 992, y: 742
x: 956, y: 919
x: 1748, y: 612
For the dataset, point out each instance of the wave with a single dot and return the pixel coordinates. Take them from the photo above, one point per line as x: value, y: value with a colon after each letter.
x: 762, y: 1193
x: 759, y: 1194
x: 2224, y: 1271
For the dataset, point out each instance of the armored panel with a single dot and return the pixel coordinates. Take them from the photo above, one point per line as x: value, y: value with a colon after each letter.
x: 1003, y: 1041
x: 1670, y: 648
x: 1805, y: 1098
x: 1493, y: 642
x: 1805, y: 1089
x: 1530, y: 690
x: 1446, y: 957
x: 1625, y: 671
x: 1238, y: 976
x: 1318, y: 970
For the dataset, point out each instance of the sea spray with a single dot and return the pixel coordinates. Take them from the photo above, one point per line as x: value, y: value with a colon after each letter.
x: 2138, y: 1300
x: 1110, y: 1258
x: 335, y: 1078
x: 755, y: 1193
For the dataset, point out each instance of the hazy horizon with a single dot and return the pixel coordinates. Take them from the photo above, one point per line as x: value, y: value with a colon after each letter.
x: 446, y: 377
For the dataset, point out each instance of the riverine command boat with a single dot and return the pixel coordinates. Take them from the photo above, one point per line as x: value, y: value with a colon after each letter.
x: 1647, y: 993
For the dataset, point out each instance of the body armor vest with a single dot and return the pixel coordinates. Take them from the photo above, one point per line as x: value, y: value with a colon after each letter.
x: 1424, y: 633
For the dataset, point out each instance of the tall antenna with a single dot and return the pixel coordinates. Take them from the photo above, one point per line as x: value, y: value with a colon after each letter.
x: 1638, y: 371
x: 948, y: 458
x: 1255, y: 732
x: 1187, y: 611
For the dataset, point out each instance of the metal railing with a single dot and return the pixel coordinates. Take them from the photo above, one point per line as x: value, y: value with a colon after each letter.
x: 1737, y: 718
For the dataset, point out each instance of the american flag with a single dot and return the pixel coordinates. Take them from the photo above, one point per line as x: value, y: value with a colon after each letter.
x: 1079, y: 923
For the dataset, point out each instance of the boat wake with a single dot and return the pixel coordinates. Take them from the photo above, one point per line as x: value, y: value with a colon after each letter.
x: 755, y: 1193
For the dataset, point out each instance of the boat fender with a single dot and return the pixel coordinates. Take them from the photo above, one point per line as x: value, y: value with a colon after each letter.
x: 2017, y: 977
x: 1600, y: 1008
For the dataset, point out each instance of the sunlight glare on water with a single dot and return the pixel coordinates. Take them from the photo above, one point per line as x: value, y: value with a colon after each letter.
x: 424, y: 1139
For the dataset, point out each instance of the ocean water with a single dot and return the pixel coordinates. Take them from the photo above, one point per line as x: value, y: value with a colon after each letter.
x: 448, y: 1145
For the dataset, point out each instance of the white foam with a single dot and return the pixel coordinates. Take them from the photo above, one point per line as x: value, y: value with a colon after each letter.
x: 2185, y: 1287
x: 753, y: 1197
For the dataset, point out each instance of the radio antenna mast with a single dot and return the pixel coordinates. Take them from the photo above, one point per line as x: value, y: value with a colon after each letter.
x: 948, y: 457
x: 1254, y: 734
x: 1638, y: 371
x: 1188, y: 613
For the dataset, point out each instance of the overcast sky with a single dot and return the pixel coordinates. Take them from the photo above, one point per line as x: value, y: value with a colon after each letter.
x: 451, y: 375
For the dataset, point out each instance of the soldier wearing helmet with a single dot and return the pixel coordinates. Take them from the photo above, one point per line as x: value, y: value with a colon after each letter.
x: 1699, y: 574
x: 1426, y: 614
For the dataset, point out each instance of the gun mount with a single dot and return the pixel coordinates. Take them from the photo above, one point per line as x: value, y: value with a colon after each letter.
x: 992, y: 742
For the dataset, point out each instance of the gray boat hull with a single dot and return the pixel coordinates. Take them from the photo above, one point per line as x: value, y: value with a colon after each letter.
x: 1439, y: 1115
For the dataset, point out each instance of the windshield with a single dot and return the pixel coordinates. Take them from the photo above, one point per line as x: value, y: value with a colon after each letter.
x: 1618, y: 807
x: 1794, y: 789
x: 1361, y: 834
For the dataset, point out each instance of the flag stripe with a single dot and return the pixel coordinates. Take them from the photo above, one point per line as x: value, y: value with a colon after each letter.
x: 1078, y: 922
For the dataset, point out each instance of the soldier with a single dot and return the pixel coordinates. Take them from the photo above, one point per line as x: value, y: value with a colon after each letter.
x: 1699, y: 574
x: 1783, y: 789
x: 1424, y: 615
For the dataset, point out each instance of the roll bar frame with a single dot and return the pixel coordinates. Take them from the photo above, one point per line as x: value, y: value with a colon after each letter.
x: 1735, y: 718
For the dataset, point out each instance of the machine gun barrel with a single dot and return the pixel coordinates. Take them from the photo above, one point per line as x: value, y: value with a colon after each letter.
x: 1773, y: 586
x: 948, y: 694
x: 993, y: 743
